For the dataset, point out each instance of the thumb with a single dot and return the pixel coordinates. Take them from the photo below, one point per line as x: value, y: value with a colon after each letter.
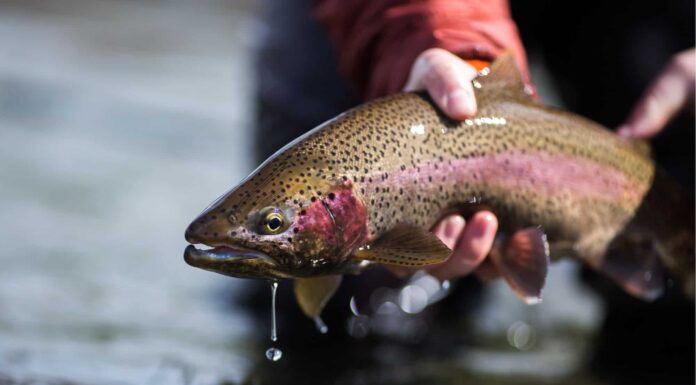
x: 448, y: 81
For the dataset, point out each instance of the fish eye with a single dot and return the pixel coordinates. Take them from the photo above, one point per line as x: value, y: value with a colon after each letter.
x: 272, y: 221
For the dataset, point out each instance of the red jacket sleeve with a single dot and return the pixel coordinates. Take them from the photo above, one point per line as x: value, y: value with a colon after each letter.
x: 378, y: 41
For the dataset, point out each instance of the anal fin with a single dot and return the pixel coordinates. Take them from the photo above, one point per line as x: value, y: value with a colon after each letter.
x: 523, y: 261
x: 312, y: 294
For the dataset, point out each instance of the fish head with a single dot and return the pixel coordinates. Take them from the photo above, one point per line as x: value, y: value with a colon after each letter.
x: 280, y: 224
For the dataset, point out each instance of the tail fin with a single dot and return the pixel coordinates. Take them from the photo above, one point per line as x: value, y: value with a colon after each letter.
x: 675, y: 232
x: 678, y: 257
x: 667, y: 213
x: 658, y: 243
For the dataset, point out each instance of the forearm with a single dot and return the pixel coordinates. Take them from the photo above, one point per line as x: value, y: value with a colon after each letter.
x: 378, y: 41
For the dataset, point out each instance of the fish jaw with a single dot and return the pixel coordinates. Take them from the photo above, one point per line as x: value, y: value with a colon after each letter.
x: 223, y: 246
x: 234, y: 262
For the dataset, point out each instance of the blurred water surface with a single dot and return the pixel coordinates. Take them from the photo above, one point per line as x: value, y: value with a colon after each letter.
x: 119, y: 121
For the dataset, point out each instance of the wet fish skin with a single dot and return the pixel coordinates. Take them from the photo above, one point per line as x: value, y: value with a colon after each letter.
x: 398, y: 162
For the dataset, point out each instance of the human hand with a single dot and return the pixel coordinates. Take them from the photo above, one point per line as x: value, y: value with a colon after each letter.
x: 447, y: 78
x: 669, y: 93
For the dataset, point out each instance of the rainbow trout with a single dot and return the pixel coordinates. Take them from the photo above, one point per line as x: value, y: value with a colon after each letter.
x: 365, y: 187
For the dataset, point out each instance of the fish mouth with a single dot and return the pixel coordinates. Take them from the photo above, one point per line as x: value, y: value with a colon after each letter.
x: 233, y: 261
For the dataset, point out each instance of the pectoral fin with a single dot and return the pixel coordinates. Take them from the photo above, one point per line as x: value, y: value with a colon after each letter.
x: 636, y: 266
x: 523, y: 261
x: 312, y: 294
x: 406, y: 245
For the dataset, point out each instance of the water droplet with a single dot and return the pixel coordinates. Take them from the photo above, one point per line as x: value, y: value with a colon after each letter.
x: 274, y: 288
x: 521, y: 335
x: 274, y: 354
x: 354, y: 306
x: 321, y: 326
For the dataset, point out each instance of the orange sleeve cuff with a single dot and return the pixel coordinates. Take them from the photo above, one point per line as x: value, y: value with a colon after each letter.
x: 479, y: 64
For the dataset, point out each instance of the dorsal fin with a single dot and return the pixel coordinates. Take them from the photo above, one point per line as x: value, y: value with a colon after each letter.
x: 504, y: 76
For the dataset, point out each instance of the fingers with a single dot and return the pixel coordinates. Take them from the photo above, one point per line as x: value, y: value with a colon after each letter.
x: 447, y: 78
x: 664, y: 98
x: 471, y: 245
x: 449, y: 230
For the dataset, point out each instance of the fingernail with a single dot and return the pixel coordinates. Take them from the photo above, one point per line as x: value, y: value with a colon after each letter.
x: 461, y: 101
x: 484, y: 226
x: 453, y: 226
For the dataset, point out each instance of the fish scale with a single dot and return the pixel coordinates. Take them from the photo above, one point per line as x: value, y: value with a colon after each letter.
x: 366, y: 186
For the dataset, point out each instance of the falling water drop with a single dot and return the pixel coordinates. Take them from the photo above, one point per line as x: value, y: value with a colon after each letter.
x: 273, y: 353
x: 321, y: 326
x: 274, y: 288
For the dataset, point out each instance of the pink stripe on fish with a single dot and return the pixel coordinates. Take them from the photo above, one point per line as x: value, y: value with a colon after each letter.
x: 544, y: 173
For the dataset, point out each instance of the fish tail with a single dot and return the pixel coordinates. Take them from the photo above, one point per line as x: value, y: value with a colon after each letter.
x: 657, y: 245
x: 671, y: 220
